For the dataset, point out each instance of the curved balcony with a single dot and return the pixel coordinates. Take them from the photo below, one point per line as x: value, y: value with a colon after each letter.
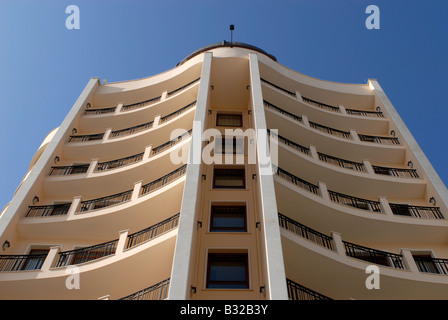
x: 158, y: 291
x: 376, y: 220
x: 335, y: 264
x: 99, y: 218
x: 119, y: 146
x: 299, y: 292
x: 95, y: 265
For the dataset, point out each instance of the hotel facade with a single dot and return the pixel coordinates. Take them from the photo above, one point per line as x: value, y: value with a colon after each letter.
x: 229, y: 176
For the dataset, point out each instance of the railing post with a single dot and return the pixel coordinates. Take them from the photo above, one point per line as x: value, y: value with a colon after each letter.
x: 92, y: 167
x: 324, y: 191
x: 136, y: 191
x: 409, y: 261
x: 368, y: 166
x: 385, y: 207
x: 342, y: 109
x: 74, y: 206
x: 147, y: 153
x: 118, y: 108
x: 338, y: 244
x: 305, y: 121
x: 122, y: 241
x: 354, y: 135
x: 156, y: 121
x: 314, y: 153
x: 107, y: 134
x: 50, y: 260
x: 299, y: 96
x: 164, y: 95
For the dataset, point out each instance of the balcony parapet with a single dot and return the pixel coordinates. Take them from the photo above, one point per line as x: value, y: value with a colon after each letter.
x: 158, y: 291
x: 299, y: 292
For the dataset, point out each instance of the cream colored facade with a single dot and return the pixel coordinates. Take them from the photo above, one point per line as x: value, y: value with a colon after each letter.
x: 106, y: 213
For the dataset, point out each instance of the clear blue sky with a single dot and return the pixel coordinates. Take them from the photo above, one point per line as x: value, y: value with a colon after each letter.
x: 44, y: 66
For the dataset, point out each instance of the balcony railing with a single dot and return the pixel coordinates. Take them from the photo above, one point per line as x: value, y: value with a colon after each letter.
x: 152, y: 232
x: 358, y: 203
x: 159, y: 291
x: 280, y: 110
x: 170, y: 143
x: 416, y: 211
x: 87, y: 254
x: 290, y: 143
x: 169, y: 94
x: 140, y: 104
x: 305, y: 232
x: 156, y: 184
x: 299, y: 292
x: 374, y: 256
x: 102, y: 166
x: 396, y: 172
x: 332, y: 131
x: 279, y: 88
x: 131, y: 130
x: 297, y: 181
x: 105, y: 201
x: 100, y: 111
x: 177, y: 112
x: 377, y: 139
x: 320, y: 104
x: 68, y: 170
x: 86, y: 137
x: 374, y: 114
x: 431, y: 265
x: 342, y: 163
x: 49, y: 210
x: 21, y: 262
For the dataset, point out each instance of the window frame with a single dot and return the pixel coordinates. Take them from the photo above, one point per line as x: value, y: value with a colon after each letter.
x: 243, y: 229
x: 222, y: 283
x: 221, y: 113
x: 240, y: 168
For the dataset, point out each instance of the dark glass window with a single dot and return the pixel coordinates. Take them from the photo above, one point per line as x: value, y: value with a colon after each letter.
x: 228, y: 218
x: 229, y: 120
x: 229, y: 178
x: 233, y: 145
x: 227, y: 271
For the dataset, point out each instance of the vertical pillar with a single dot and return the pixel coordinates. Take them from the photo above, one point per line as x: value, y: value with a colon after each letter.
x: 338, y: 244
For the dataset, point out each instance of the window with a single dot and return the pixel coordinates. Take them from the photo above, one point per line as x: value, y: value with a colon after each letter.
x: 35, y: 259
x: 401, y: 210
x: 229, y: 120
x: 228, y: 218
x: 229, y: 178
x: 425, y: 263
x: 227, y: 271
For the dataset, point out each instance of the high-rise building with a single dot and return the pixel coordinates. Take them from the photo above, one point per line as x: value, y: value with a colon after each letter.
x: 229, y: 176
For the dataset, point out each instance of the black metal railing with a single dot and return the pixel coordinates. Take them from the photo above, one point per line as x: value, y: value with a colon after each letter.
x: 305, y: 232
x: 358, y: 203
x: 171, y: 143
x: 431, y: 265
x: 158, y: 291
x: 86, y: 137
x: 296, y: 180
x: 290, y: 143
x: 347, y: 164
x: 299, y: 292
x: 21, y: 262
x: 131, y: 130
x: 396, y: 172
x: 86, y: 254
x: 375, y: 114
x: 140, y: 104
x: 284, y: 112
x: 416, y: 211
x: 374, y: 256
x: 278, y: 87
x: 49, y: 210
x: 68, y: 170
x: 103, y: 202
x: 152, y: 232
x: 107, y: 165
x: 170, y: 93
x: 332, y: 131
x: 99, y: 111
x: 377, y: 139
x: 177, y: 112
x: 156, y: 184
x: 320, y: 104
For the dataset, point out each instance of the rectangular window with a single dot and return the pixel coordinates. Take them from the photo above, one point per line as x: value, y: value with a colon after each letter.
x: 35, y: 259
x: 227, y: 271
x: 230, y: 145
x: 228, y: 218
x: 229, y: 120
x: 225, y: 178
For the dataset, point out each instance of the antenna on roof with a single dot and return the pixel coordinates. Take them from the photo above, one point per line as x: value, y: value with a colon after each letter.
x: 232, y: 27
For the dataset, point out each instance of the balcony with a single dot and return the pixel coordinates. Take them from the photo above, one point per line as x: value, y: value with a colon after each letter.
x: 299, y: 292
x: 158, y: 291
